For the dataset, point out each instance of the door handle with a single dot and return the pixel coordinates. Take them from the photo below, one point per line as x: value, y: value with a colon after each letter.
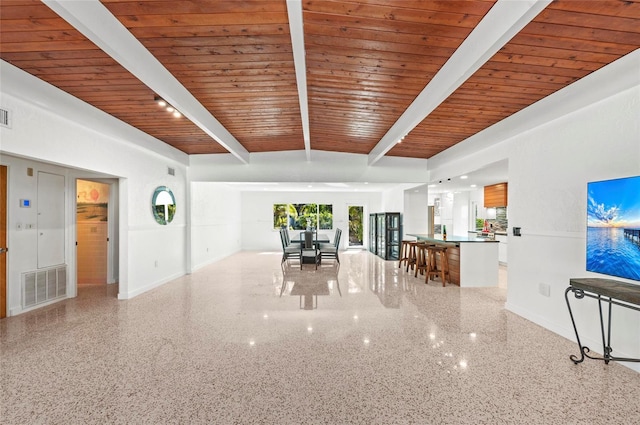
x: 3, y: 250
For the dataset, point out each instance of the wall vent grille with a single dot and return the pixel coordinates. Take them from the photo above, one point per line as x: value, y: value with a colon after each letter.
x: 43, y: 285
x: 5, y: 118
x: 172, y: 171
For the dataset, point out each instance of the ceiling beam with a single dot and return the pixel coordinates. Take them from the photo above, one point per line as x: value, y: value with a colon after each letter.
x: 96, y: 23
x: 294, y: 10
x: 505, y: 19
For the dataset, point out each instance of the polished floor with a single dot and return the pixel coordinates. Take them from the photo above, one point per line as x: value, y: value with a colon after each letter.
x: 244, y: 342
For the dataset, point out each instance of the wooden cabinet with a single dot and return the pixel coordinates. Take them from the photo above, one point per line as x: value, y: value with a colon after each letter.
x: 385, y: 233
x: 495, y: 195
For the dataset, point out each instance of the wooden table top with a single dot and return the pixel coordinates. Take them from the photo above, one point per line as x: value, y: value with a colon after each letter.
x: 622, y: 291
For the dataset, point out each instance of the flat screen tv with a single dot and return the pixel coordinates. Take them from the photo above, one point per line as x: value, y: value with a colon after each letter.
x: 613, y: 227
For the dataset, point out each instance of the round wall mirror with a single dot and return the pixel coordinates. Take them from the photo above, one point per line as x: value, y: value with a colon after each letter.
x: 163, y: 205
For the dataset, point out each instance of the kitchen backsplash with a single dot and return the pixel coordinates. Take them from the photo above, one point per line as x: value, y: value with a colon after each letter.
x: 500, y: 223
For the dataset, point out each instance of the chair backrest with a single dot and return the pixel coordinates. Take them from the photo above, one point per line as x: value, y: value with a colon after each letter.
x: 287, y: 238
x: 283, y: 239
x: 336, y: 241
x: 308, y: 239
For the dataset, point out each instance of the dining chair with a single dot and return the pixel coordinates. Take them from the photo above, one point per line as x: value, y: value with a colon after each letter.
x: 331, y: 250
x: 309, y: 247
x: 287, y: 238
x: 289, y: 251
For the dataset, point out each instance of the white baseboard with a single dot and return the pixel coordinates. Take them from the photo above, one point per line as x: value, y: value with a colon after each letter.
x: 14, y: 311
x: 212, y: 260
x: 136, y: 292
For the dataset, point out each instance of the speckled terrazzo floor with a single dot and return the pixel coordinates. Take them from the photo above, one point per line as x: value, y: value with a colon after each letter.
x: 234, y: 344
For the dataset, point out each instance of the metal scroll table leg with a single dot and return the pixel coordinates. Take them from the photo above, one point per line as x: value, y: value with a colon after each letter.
x: 606, y: 343
x: 609, y: 292
x: 578, y: 294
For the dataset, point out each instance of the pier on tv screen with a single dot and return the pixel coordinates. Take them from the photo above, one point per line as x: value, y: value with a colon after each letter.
x: 613, y: 227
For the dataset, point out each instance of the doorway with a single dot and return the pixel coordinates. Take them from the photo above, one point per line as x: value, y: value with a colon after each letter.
x: 356, y: 226
x: 92, y: 232
x: 3, y: 241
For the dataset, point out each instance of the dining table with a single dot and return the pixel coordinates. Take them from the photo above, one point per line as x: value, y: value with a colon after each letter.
x: 319, y: 239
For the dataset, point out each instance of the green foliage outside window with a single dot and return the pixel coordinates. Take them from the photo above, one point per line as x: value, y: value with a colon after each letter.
x: 301, y: 216
x: 325, y: 214
x: 356, y: 226
x: 307, y: 216
x: 279, y: 216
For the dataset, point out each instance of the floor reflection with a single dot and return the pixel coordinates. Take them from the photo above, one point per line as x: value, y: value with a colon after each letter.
x: 309, y: 284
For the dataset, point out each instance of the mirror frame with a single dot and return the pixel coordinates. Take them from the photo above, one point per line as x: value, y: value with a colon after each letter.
x: 163, y: 218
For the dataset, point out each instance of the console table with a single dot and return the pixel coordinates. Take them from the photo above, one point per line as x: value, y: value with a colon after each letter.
x: 610, y: 292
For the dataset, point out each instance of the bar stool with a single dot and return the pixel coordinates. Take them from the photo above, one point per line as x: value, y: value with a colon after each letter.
x: 433, y: 252
x: 413, y: 255
x: 422, y: 258
x: 404, y: 252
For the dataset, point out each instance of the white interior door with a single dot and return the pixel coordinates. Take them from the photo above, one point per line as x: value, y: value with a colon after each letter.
x: 50, y: 219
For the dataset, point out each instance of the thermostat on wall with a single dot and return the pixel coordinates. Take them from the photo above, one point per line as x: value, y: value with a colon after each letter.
x: 25, y: 203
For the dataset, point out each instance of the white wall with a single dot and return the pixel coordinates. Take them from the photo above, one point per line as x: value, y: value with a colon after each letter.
x: 591, y: 132
x: 292, y: 166
x: 393, y: 199
x: 216, y: 223
x: 150, y: 254
x: 549, y: 171
x: 460, y: 214
x: 257, y: 214
x: 414, y: 218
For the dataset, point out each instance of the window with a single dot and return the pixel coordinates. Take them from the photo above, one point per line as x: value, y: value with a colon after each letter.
x: 279, y: 216
x: 325, y: 216
x: 301, y: 216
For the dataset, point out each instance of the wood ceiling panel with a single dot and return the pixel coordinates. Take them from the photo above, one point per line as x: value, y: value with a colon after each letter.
x: 35, y: 39
x: 234, y: 57
x: 367, y: 61
x: 565, y: 42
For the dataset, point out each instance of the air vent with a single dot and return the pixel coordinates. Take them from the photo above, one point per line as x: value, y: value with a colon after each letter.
x: 43, y: 285
x: 172, y: 171
x: 5, y: 118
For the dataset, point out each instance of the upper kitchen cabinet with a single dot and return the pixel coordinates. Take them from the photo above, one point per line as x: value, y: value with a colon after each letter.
x: 495, y: 195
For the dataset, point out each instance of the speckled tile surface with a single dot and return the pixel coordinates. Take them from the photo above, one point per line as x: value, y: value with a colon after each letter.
x: 241, y: 342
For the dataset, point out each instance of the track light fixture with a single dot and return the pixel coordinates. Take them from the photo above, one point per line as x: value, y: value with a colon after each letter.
x: 163, y: 103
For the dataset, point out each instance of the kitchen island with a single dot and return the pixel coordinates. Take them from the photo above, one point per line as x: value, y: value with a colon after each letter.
x: 473, y: 261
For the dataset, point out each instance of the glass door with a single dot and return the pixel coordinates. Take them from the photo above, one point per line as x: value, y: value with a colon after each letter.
x: 372, y: 234
x: 393, y: 236
x: 381, y: 233
x: 356, y: 225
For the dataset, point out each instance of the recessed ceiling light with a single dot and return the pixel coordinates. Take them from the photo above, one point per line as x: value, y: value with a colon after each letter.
x: 464, y: 177
x: 474, y: 185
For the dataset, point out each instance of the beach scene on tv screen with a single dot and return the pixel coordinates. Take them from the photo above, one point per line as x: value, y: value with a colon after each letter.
x: 613, y: 227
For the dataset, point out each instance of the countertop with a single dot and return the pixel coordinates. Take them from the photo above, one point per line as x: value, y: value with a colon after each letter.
x: 500, y: 232
x: 450, y: 239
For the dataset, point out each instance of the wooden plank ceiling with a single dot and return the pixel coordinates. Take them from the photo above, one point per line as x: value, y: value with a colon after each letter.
x: 366, y: 61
